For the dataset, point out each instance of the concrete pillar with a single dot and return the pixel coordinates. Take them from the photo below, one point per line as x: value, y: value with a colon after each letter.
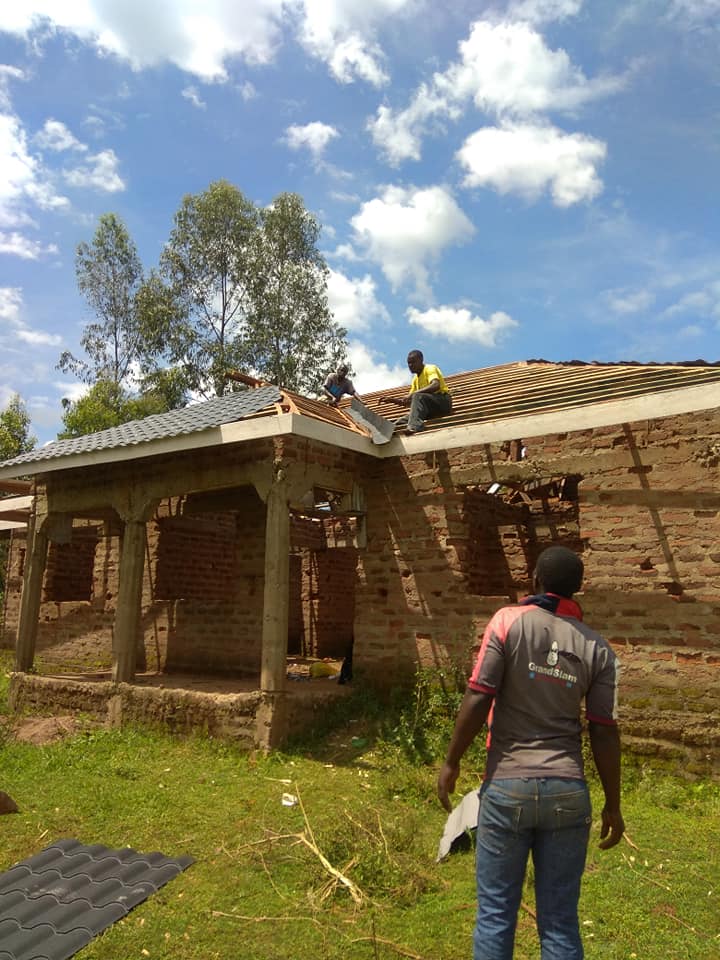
x: 273, y: 671
x: 35, y: 560
x: 129, y: 602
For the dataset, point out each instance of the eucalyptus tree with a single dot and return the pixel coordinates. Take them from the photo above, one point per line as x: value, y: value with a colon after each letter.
x: 291, y: 338
x: 109, y: 275
x: 205, y: 266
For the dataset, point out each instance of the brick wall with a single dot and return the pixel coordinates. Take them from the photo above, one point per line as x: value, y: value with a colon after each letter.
x: 643, y: 508
x: 442, y: 553
x: 72, y: 633
x: 322, y: 586
x: 202, y: 592
x: 208, y: 572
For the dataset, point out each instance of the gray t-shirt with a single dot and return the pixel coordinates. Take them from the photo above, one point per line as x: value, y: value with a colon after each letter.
x: 540, y: 664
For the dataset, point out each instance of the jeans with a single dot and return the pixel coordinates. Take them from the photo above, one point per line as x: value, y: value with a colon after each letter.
x: 550, y: 818
x: 426, y: 406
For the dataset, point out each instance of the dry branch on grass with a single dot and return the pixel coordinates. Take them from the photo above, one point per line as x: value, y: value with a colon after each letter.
x: 402, y: 951
x: 280, y: 919
x: 306, y: 837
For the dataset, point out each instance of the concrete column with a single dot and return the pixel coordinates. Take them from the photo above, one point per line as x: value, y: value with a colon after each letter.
x: 35, y: 560
x: 129, y: 602
x: 277, y: 576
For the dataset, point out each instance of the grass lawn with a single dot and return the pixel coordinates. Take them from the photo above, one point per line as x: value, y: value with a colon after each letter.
x: 262, y: 885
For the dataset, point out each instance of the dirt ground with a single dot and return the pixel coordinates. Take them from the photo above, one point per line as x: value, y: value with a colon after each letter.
x: 42, y: 730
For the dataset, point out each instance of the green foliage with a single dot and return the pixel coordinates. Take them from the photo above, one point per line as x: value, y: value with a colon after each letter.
x: 15, y: 437
x: 250, y: 286
x: 291, y: 337
x: 423, y: 718
x: 109, y: 275
x: 238, y: 287
x: 205, y: 265
x: 257, y: 890
x: 108, y: 404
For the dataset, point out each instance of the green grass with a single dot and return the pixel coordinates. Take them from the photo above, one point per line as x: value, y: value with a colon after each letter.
x: 255, y: 891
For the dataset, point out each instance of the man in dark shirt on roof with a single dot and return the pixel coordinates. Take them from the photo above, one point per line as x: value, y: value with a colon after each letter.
x: 537, y: 663
x: 337, y: 385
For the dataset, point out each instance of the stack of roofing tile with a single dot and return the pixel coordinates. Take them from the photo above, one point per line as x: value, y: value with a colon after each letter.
x: 54, y: 903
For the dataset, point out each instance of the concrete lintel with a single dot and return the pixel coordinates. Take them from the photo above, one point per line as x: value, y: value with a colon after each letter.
x: 235, y: 432
x: 685, y: 499
x: 652, y: 406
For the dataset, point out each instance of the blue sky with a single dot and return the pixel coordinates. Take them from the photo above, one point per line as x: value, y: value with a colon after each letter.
x: 495, y: 181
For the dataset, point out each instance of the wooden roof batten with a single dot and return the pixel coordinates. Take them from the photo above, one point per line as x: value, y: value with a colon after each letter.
x: 495, y: 404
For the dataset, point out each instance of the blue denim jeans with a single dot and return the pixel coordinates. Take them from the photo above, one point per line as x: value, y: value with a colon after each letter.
x: 549, y: 818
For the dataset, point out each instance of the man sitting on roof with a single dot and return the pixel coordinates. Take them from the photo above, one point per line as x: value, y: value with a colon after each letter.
x: 429, y: 396
x: 338, y: 384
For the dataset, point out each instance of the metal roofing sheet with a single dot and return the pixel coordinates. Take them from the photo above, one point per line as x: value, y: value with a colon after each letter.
x: 198, y: 416
x: 54, y: 903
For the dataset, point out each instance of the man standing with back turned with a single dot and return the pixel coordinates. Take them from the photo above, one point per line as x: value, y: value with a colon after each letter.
x: 536, y: 664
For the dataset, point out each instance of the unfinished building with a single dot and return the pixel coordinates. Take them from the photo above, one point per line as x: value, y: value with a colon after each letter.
x: 219, y: 539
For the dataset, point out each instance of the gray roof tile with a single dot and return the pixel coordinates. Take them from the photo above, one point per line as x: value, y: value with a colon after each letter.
x: 53, y: 904
x: 175, y: 423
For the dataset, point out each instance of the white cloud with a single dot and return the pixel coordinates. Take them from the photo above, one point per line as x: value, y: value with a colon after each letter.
x: 313, y: 136
x: 196, y: 37
x: 57, y: 137
x: 10, y: 303
x: 343, y: 34
x: 459, y: 324
x: 248, y: 91
x: 371, y: 373
x: 14, y: 327
x: 43, y: 194
x: 399, y: 134
x: 344, y: 251
x: 353, y: 301
x: 507, y: 70
x: 7, y: 73
x: 691, y: 332
x: 17, y: 169
x: 341, y: 197
x: 23, y: 182
x: 17, y: 245
x: 99, y: 173
x: 529, y: 159
x: 405, y: 229
x: 544, y: 11
x: 200, y: 38
x: 37, y: 338
x: 703, y: 303
x: 695, y: 12
x: 626, y: 301
x: 191, y: 94
x: 72, y: 391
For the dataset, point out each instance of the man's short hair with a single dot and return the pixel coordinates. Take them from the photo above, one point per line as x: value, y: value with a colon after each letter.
x: 416, y: 353
x: 560, y: 571
x: 342, y: 369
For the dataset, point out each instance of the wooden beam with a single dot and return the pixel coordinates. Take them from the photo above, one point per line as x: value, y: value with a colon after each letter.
x: 129, y: 599
x: 277, y: 576
x: 35, y: 560
x: 15, y: 486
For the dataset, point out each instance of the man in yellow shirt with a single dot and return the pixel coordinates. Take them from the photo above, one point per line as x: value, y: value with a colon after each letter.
x: 429, y: 396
